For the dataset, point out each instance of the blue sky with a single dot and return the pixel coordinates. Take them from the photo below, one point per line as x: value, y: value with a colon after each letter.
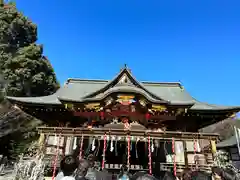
x: 195, y: 42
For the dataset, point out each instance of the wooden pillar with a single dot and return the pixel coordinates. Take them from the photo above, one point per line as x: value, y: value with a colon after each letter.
x: 185, y: 153
x: 64, y: 140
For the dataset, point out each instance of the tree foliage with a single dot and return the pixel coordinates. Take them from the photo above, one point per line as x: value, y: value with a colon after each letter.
x: 25, y: 71
x: 22, y: 62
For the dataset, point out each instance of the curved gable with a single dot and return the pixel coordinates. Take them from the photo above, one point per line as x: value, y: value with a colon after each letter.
x: 125, y: 78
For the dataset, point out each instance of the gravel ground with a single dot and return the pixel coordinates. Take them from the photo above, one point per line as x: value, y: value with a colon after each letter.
x: 8, y: 176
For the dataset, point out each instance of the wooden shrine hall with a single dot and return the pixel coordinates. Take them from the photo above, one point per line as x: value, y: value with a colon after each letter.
x: 123, y: 120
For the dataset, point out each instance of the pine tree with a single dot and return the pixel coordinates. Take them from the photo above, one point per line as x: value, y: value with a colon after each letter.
x: 26, y: 72
x: 22, y: 62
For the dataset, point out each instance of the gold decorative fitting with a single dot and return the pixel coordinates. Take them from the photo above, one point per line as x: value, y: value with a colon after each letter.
x: 68, y: 106
x: 93, y: 106
x: 142, y: 102
x: 158, y: 108
x: 127, y: 97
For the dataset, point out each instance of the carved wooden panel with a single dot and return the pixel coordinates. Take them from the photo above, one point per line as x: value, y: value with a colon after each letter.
x: 124, y: 80
x: 125, y: 99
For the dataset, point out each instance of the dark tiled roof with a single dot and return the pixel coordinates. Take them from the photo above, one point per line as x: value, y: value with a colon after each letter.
x: 232, y: 141
x: 121, y: 89
x: 51, y: 99
x: 88, y: 90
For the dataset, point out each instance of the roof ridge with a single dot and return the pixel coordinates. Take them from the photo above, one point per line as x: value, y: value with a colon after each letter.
x: 102, y: 80
x: 80, y: 80
x: 170, y: 83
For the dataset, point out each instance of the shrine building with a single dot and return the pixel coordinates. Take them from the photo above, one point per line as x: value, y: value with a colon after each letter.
x: 85, y: 112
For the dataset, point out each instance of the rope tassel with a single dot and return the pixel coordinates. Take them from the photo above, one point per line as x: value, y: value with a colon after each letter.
x: 149, y: 155
x: 128, y: 148
x: 81, y: 147
x: 104, y: 150
x: 174, y: 158
x: 195, y: 153
x: 58, y: 139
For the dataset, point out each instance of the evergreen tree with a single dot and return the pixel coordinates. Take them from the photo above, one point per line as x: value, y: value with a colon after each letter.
x: 22, y: 63
x: 26, y: 72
